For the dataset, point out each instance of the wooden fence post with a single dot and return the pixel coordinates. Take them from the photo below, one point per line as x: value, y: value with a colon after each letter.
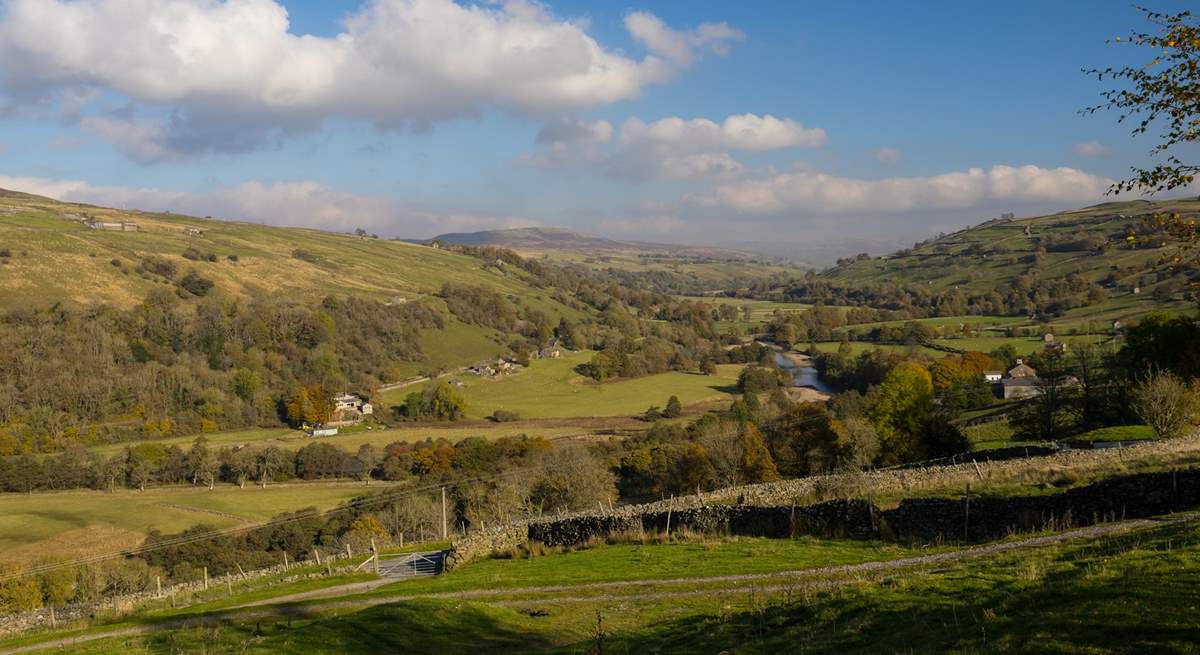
x: 206, y: 578
x: 348, y: 555
x: 318, y: 552
x: 158, y: 586
x: 285, y: 562
x: 375, y: 555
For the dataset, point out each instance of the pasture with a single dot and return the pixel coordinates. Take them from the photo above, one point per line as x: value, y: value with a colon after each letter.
x: 550, y: 388
x: 77, y: 523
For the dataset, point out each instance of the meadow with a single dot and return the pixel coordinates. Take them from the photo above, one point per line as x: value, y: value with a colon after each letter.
x: 550, y: 388
x: 76, y: 523
x: 1126, y: 592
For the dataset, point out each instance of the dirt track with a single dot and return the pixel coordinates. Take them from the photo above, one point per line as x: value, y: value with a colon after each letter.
x: 823, y: 577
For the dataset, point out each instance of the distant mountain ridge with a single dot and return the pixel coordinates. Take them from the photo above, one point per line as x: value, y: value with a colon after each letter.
x: 545, y: 239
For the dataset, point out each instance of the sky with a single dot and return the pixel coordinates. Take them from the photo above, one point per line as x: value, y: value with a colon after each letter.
x: 838, y: 126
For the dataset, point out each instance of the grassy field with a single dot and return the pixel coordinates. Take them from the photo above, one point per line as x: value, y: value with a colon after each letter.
x: 1023, y: 345
x: 73, y: 523
x: 859, y: 347
x: 550, y: 388
x: 1128, y: 593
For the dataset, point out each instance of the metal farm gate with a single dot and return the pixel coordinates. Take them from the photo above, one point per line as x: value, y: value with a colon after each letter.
x: 413, y: 565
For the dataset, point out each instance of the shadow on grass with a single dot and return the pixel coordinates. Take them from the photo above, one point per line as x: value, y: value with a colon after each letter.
x: 410, y: 627
x: 1124, y: 595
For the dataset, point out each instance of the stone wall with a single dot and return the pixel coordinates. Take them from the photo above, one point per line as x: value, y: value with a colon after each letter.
x: 966, y: 519
x: 46, y: 618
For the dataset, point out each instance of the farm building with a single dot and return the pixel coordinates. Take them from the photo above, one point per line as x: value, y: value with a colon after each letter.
x: 351, y: 408
x: 115, y: 226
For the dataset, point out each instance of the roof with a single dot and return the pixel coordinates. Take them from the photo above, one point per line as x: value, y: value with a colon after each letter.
x: 1021, y: 382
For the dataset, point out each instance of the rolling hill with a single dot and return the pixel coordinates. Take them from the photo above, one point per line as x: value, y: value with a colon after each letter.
x: 49, y: 255
x: 1090, y: 243
x: 546, y: 240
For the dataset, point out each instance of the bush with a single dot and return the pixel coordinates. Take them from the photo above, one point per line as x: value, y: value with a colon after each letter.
x: 115, y: 262
x: 305, y: 255
x: 5, y: 253
x: 160, y: 266
x: 505, y: 416
x: 756, y: 379
x: 196, y: 285
x: 1166, y: 404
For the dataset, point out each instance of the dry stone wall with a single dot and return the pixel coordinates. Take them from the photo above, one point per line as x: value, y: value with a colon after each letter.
x: 967, y: 519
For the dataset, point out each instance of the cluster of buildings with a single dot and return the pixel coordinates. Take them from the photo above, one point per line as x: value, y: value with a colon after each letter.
x: 501, y: 366
x: 115, y: 226
x: 1021, y: 381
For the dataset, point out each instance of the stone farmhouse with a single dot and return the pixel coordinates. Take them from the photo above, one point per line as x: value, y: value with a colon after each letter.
x: 350, y: 408
x: 1021, y: 381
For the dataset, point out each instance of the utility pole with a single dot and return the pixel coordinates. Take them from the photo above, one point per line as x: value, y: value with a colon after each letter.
x: 443, y: 513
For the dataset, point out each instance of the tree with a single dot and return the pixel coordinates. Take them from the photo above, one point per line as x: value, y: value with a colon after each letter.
x: 674, y: 408
x: 439, y: 402
x: 1164, y: 90
x: 1166, y: 403
x: 573, y: 479
x: 803, y: 441
x: 201, y: 463
x: 901, y: 405
x: 708, y: 367
x: 756, y: 464
x: 858, y: 443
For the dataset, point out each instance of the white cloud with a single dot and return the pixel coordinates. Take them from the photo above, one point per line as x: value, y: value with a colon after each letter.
x: 888, y: 156
x: 681, y: 48
x: 809, y: 192
x: 575, y: 131
x: 739, y: 132
x: 1090, y: 149
x: 697, y: 166
x: 229, y: 72
x: 295, y: 204
x: 672, y: 148
x: 144, y: 141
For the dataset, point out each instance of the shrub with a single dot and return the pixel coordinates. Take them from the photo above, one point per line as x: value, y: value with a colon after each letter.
x: 505, y: 416
x: 305, y: 255
x: 5, y: 253
x: 160, y: 266
x: 195, y: 285
x: 115, y: 262
x: 1166, y: 404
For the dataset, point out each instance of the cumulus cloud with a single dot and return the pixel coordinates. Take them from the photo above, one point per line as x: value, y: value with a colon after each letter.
x: 575, y: 131
x: 1090, y: 149
x: 888, y: 156
x: 302, y: 203
x: 812, y: 192
x: 672, y: 148
x: 740, y: 132
x: 232, y: 66
x: 680, y: 47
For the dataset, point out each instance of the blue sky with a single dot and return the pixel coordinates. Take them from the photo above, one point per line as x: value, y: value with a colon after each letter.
x: 854, y: 123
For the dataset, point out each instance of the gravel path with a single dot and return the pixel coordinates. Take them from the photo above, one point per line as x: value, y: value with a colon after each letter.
x: 823, y: 577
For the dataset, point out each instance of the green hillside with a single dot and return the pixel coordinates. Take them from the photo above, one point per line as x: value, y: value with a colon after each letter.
x: 1090, y: 243
x: 52, y: 256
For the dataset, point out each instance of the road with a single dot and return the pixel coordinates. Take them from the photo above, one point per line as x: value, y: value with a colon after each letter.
x: 821, y: 577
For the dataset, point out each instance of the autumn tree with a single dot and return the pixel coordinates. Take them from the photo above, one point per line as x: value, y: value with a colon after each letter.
x: 901, y: 405
x: 1162, y: 95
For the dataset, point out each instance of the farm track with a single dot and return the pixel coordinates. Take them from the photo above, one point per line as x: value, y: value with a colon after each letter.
x: 638, y: 590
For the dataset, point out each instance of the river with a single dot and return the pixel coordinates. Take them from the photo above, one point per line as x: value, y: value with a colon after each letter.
x: 802, y: 376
